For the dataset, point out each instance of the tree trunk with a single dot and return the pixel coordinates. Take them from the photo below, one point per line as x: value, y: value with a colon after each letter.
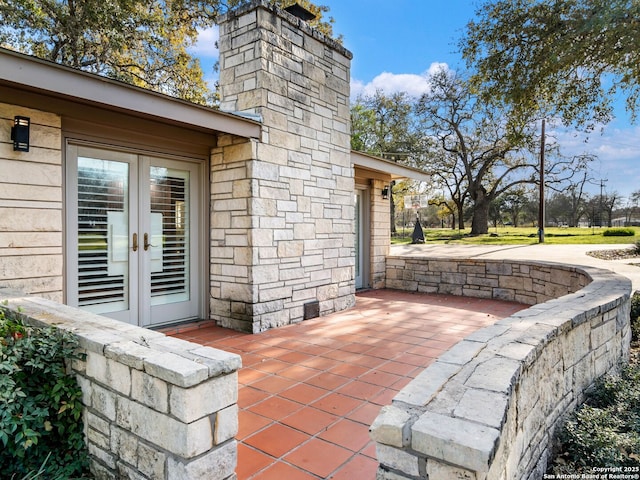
x: 480, y: 220
x: 459, y: 206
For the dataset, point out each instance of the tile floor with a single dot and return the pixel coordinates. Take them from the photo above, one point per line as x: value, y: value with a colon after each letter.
x: 308, y: 392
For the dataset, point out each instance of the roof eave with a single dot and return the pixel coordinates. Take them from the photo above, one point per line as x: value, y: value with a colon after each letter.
x: 395, y: 170
x: 55, y: 80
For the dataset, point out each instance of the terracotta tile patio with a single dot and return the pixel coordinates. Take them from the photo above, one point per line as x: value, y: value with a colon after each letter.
x: 308, y: 392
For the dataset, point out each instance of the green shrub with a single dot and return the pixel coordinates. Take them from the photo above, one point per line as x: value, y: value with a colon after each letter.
x: 619, y: 232
x: 605, y: 430
x: 40, y: 403
x: 635, y: 317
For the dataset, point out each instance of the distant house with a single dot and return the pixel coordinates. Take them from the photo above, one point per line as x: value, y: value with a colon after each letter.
x: 153, y: 210
x: 628, y: 221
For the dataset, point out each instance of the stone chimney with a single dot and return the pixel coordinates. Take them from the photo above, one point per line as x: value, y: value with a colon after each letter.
x: 282, y: 225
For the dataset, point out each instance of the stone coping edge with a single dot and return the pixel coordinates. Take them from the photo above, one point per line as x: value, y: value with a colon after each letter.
x: 177, y: 361
x: 460, y: 409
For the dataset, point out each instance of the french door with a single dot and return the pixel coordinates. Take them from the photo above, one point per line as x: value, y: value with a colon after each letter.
x: 132, y: 235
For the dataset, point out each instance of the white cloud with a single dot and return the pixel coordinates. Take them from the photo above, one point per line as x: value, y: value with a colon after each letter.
x: 411, y: 83
x: 205, y: 45
x: 618, y: 156
x: 611, y: 145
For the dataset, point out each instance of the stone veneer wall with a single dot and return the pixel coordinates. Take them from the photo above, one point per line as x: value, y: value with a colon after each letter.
x: 488, y: 408
x: 155, y: 407
x: 233, y: 238
x: 31, y: 205
x: 379, y: 233
x: 282, y: 235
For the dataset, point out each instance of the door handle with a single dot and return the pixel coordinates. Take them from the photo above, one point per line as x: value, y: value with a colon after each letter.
x: 135, y: 242
x: 146, y: 242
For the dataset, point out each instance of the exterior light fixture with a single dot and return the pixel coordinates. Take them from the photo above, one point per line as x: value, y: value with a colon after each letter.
x: 20, y: 133
x: 385, y: 192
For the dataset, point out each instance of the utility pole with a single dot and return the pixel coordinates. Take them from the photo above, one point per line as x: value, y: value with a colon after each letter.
x: 541, y: 209
x: 602, y: 180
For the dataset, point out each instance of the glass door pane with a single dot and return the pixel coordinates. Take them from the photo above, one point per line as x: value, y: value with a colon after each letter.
x: 103, y: 235
x: 169, y: 236
x: 169, y: 219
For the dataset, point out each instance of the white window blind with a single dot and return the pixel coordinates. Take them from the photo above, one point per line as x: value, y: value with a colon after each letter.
x: 103, y: 212
x: 169, y: 235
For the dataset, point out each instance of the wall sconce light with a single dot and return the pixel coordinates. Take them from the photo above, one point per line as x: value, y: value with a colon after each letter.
x: 20, y: 133
x: 385, y: 192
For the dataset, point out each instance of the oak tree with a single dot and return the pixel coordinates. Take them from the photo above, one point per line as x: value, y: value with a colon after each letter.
x: 383, y: 124
x: 141, y: 42
x: 473, y: 146
x: 569, y: 58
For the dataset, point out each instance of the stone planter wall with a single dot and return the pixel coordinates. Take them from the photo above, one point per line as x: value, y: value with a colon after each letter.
x: 489, y: 407
x: 156, y: 407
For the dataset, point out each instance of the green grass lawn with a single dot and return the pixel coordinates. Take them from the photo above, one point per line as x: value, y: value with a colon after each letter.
x: 519, y: 236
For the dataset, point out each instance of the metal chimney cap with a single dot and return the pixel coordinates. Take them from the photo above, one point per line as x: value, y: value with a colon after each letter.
x: 299, y: 11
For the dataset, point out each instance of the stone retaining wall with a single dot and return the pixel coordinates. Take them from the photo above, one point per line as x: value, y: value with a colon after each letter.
x: 156, y: 407
x: 489, y: 407
x: 529, y: 283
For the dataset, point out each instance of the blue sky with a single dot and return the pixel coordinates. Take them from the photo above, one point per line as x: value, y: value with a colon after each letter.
x: 395, y: 44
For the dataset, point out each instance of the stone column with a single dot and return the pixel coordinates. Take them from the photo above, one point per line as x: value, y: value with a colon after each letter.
x: 299, y: 212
